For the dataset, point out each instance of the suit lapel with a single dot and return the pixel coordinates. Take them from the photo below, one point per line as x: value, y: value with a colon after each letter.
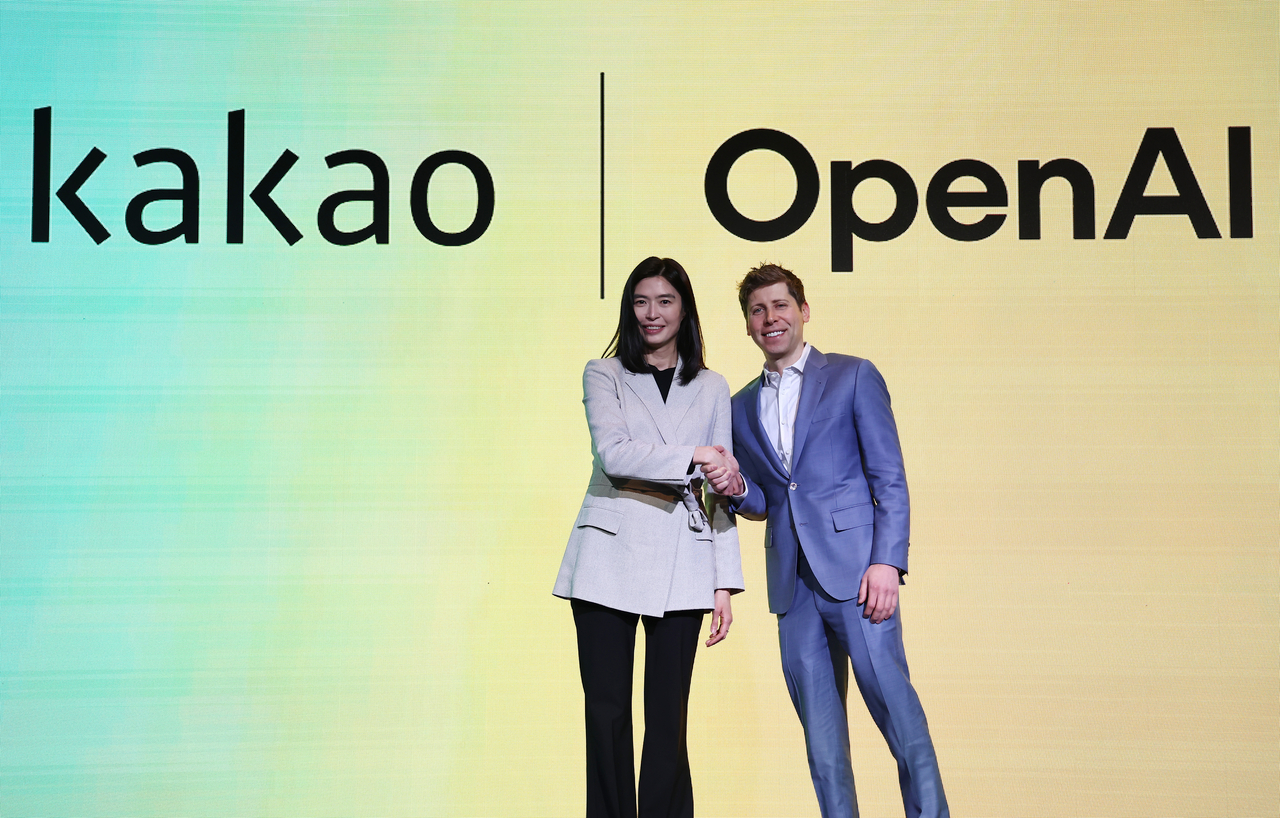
x: 644, y: 387
x: 757, y: 429
x: 814, y: 381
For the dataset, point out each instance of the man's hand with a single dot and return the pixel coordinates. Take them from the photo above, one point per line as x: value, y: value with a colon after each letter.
x: 721, y: 617
x: 725, y: 480
x: 879, y: 590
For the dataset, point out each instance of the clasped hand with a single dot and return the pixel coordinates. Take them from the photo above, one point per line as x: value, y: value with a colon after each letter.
x: 721, y: 471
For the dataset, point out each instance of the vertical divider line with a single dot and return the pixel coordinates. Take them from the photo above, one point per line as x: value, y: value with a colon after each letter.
x: 601, y: 185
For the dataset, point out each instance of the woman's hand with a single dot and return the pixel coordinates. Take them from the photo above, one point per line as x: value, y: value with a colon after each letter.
x: 709, y: 456
x: 725, y: 480
x: 721, y: 617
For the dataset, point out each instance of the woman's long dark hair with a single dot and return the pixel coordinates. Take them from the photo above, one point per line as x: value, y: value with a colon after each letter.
x: 628, y: 343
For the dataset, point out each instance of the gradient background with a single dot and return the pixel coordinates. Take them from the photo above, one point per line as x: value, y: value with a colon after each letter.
x: 278, y: 525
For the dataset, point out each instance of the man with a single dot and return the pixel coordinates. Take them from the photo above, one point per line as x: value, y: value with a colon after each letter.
x: 819, y: 458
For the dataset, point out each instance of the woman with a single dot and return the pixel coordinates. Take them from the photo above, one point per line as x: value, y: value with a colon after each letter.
x: 645, y: 545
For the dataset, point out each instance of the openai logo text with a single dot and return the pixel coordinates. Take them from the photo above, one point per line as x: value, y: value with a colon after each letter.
x: 1158, y: 144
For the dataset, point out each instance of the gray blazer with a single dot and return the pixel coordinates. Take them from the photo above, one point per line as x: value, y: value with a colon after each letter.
x: 642, y: 541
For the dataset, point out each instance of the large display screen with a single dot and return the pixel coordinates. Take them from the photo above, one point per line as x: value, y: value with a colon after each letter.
x: 295, y: 300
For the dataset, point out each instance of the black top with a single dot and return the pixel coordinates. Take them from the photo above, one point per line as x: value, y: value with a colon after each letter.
x: 663, y: 378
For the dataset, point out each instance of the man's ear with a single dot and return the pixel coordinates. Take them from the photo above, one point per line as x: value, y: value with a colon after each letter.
x: 804, y: 310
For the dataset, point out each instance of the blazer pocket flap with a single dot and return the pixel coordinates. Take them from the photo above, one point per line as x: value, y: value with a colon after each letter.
x: 827, y: 412
x: 601, y: 518
x: 853, y: 516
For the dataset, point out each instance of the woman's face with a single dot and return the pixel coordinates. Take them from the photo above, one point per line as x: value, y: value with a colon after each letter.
x: 658, y: 311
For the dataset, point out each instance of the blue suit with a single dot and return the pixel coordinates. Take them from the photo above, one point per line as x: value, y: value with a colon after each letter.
x: 842, y: 507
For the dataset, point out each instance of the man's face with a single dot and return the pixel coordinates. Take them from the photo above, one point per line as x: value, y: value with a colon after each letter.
x: 776, y: 323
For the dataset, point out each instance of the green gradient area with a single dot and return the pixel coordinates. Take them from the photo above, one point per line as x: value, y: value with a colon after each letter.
x: 241, y: 526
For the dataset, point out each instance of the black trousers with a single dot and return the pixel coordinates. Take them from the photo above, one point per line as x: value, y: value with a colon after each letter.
x: 606, y: 653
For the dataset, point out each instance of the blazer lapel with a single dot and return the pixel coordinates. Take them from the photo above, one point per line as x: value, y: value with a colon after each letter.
x: 757, y: 429
x: 814, y: 381
x: 679, y: 399
x: 643, y: 385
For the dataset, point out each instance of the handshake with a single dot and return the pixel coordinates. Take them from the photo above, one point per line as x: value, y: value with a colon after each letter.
x: 721, y: 470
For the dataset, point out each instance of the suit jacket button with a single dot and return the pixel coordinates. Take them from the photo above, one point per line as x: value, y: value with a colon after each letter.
x: 793, y: 486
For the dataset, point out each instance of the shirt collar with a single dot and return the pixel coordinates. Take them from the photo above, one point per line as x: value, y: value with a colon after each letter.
x: 771, y: 377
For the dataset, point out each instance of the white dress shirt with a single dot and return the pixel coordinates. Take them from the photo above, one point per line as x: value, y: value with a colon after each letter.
x: 779, y: 400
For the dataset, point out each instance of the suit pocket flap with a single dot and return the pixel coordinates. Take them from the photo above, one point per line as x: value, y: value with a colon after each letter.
x: 601, y: 518
x: 853, y: 516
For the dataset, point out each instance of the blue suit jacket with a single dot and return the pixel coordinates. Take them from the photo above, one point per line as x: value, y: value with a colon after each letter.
x: 845, y: 501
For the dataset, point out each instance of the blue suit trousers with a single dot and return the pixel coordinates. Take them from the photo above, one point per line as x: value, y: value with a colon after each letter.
x: 819, y: 638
